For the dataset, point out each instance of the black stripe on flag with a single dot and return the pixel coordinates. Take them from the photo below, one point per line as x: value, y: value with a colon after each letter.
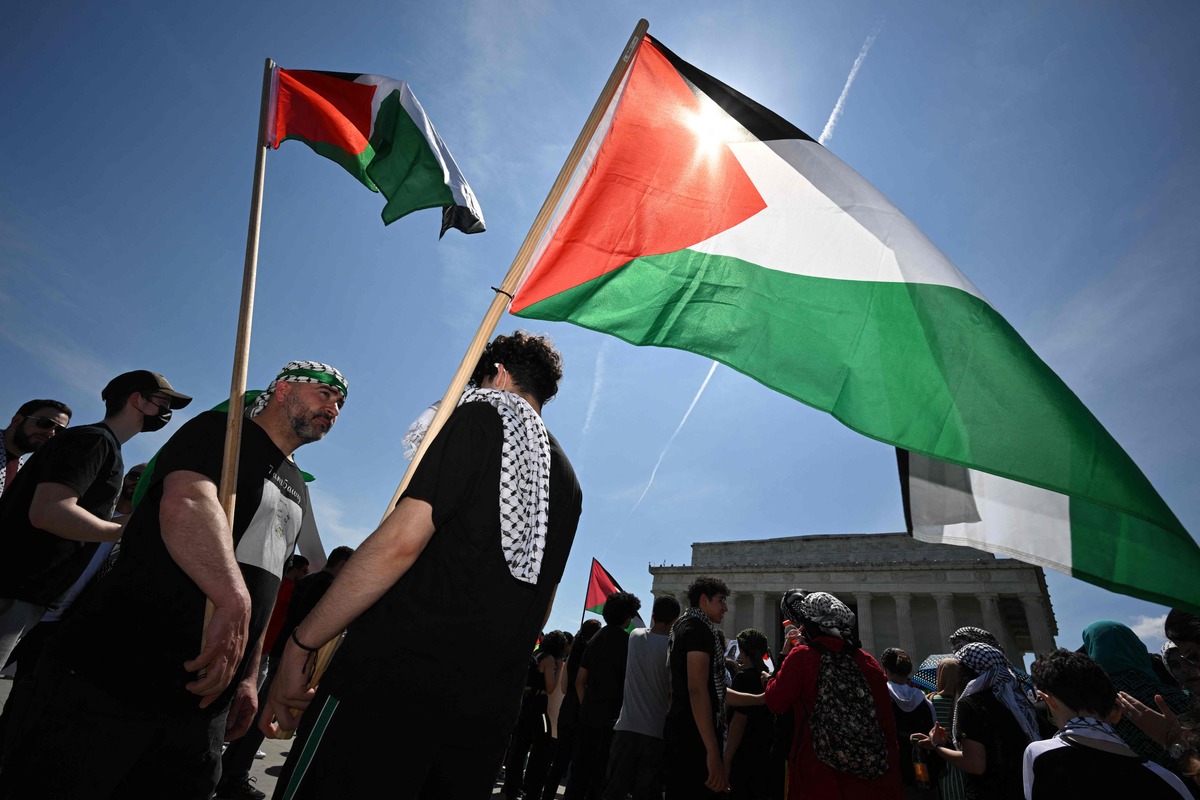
x: 759, y: 120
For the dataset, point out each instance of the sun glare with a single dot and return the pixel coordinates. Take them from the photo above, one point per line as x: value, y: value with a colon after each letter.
x: 713, y: 127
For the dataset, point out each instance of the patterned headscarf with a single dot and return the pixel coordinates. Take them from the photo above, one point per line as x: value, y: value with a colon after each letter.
x: 829, y: 615
x: 301, y: 372
x: 968, y: 634
x: 994, y: 673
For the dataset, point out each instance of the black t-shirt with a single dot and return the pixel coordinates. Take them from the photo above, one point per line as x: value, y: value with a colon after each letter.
x: 147, y: 616
x: 984, y: 719
x: 605, y: 664
x: 460, y: 585
x: 37, y: 565
x: 753, y: 756
x: 692, y: 635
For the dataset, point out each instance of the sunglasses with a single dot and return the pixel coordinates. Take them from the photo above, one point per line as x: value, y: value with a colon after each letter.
x: 45, y: 424
x: 162, y: 403
x: 133, y: 476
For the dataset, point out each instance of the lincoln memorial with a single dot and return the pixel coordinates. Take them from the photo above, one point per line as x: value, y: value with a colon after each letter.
x: 905, y: 593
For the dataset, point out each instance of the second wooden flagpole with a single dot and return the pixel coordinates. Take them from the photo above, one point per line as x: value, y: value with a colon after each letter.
x: 504, y: 294
x: 241, y: 349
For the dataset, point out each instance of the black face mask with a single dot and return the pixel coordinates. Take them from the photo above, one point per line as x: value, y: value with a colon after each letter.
x: 155, y: 422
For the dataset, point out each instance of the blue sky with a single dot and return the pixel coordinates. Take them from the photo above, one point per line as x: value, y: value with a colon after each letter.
x: 1048, y: 149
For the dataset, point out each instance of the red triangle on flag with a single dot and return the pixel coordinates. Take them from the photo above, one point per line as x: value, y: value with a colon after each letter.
x: 664, y: 179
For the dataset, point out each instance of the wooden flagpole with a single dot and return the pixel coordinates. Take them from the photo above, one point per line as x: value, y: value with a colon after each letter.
x: 504, y: 294
x: 241, y: 348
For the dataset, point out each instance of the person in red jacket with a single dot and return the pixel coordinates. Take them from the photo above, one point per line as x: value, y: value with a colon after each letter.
x: 827, y: 629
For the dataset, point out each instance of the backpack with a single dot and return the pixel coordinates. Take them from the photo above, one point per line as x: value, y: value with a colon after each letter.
x: 846, y: 733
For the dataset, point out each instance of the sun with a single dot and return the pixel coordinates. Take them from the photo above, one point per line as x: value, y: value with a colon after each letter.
x: 714, y: 128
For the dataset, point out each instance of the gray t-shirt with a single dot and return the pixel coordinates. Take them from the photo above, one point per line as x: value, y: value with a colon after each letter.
x: 646, y: 684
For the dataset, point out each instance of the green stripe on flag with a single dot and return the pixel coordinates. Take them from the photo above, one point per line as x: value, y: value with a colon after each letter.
x: 927, y: 368
x: 405, y: 168
x: 354, y: 163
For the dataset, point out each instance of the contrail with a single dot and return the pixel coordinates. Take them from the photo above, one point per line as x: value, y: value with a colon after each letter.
x: 827, y: 134
x: 597, y: 384
x: 678, y: 428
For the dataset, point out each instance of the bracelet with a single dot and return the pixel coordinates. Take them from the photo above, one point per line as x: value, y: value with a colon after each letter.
x: 302, y: 645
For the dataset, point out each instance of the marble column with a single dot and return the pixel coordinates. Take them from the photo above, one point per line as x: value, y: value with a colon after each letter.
x: 683, y: 601
x: 908, y: 640
x: 866, y: 622
x: 760, y: 613
x: 989, y: 603
x: 946, y: 626
x: 729, y: 624
x: 1039, y: 629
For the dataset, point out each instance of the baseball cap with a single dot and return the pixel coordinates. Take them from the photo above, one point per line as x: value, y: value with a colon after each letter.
x: 145, y: 381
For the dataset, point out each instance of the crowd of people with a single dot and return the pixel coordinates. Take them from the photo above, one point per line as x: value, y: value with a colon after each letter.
x: 152, y: 628
x: 155, y: 638
x: 675, y: 709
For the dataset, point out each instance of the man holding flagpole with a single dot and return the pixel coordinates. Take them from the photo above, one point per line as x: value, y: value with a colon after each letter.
x: 485, y: 526
x: 122, y: 704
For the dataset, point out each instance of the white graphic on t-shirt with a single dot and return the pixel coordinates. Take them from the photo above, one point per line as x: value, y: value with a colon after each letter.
x: 272, y: 532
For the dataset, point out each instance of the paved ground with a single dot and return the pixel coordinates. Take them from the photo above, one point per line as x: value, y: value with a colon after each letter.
x: 265, y: 770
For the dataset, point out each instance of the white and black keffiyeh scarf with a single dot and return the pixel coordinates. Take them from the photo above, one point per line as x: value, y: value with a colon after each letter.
x: 1095, y: 729
x: 993, y: 673
x: 524, y: 481
x: 718, y: 658
x: 826, y: 613
x: 301, y: 372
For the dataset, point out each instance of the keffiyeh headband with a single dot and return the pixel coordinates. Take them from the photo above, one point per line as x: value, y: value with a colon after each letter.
x: 969, y: 634
x: 994, y: 673
x: 301, y: 372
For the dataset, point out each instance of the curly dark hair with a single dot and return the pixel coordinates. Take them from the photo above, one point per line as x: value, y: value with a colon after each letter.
x: 708, y: 586
x: 620, y: 606
x: 666, y: 609
x: 532, y: 360
x: 1075, y: 679
x: 554, y: 644
x: 896, y: 661
x: 753, y: 643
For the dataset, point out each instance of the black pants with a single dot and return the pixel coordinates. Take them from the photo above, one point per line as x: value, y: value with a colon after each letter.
x: 239, y: 755
x: 686, y: 763
x: 71, y: 740
x: 564, y: 749
x: 590, y: 763
x: 363, y: 749
x: 530, y: 738
x: 634, y: 767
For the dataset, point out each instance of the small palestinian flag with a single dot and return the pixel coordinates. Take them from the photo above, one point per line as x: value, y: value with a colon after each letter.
x: 600, y: 585
x: 375, y: 128
x: 702, y: 221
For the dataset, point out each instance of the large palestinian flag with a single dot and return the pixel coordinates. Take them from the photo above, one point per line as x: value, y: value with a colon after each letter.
x: 702, y: 221
x: 375, y: 128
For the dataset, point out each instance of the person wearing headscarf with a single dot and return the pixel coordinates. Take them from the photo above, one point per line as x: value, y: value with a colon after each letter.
x: 826, y: 626
x: 162, y: 681
x: 1181, y: 667
x: 993, y: 724
x: 969, y: 634
x: 1116, y: 648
